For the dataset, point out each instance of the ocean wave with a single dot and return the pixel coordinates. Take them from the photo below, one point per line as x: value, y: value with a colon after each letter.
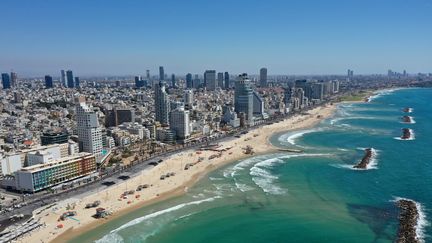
x: 265, y: 180
x: 153, y: 215
x: 243, y: 187
x: 422, y: 222
x: 232, y: 171
x: 292, y: 137
x: 216, y: 179
x: 111, y: 238
x: 381, y: 93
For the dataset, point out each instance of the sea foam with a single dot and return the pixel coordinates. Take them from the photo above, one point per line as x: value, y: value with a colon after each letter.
x: 292, y: 137
x: 113, y: 236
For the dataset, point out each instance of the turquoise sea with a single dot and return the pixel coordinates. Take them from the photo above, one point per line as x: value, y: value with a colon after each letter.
x: 310, y: 197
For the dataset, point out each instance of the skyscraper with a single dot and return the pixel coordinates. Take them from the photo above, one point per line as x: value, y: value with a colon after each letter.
x: 197, y: 82
x: 70, y: 79
x: 161, y: 73
x: 263, y: 77
x: 77, y: 82
x: 162, y: 104
x: 243, y: 100
x: 227, y: 80
x: 210, y: 80
x: 220, y: 79
x: 6, y: 81
x: 14, y: 79
x: 89, y: 131
x: 148, y: 74
x: 189, y: 82
x: 63, y: 78
x: 179, y: 122
x: 48, y: 82
x: 173, y: 81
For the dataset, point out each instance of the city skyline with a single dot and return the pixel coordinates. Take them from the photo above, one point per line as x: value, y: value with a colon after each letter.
x: 298, y: 38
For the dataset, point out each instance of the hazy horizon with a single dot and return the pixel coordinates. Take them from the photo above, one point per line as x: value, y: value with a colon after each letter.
x: 112, y: 38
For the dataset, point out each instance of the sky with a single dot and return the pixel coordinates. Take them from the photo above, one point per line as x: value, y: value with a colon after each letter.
x: 127, y: 37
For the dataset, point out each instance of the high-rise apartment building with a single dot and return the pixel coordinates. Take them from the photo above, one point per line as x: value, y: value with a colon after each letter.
x: 162, y: 104
x: 179, y: 122
x: 89, y: 131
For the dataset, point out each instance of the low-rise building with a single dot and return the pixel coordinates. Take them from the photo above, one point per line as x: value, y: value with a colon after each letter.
x: 41, y: 176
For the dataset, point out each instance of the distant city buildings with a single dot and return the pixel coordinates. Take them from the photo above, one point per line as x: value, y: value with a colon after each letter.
x: 210, y: 80
x: 6, y: 81
x: 263, y: 77
x: 14, y: 79
x: 70, y: 79
x: 48, y: 82
x: 161, y: 73
x: 189, y: 82
x: 220, y: 80
x: 63, y: 78
x: 173, y: 81
x: 139, y: 83
x: 77, y: 82
x: 227, y: 80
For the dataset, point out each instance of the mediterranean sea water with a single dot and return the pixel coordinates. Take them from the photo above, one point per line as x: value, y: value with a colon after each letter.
x: 312, y: 197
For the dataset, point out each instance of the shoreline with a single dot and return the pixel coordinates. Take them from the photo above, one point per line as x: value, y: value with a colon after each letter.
x: 161, y: 190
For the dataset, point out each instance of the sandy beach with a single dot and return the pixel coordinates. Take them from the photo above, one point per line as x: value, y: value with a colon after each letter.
x: 159, y: 190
